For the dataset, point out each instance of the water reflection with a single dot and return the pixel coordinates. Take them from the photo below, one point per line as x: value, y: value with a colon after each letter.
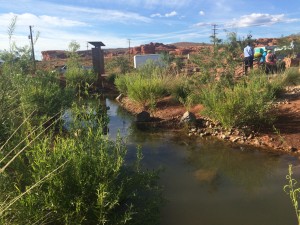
x: 211, y: 182
x: 216, y: 165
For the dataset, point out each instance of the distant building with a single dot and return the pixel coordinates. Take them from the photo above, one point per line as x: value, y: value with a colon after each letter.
x: 140, y: 60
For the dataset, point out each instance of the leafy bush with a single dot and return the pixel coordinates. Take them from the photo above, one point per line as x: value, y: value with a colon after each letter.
x: 9, y: 104
x: 247, y: 103
x: 119, y: 65
x: 80, y: 178
x: 184, y: 90
x: 144, y: 86
x: 121, y: 83
x: 146, y: 90
x: 44, y: 96
x: 291, y: 77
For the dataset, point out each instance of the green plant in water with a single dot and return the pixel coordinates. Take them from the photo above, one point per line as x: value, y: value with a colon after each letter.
x: 293, y: 191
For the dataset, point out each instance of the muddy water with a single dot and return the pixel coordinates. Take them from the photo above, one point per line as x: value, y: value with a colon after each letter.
x: 208, y: 182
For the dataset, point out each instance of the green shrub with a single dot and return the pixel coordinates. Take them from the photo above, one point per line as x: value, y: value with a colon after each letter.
x: 247, y: 103
x: 121, y: 83
x: 111, y: 78
x: 291, y: 77
x: 146, y: 90
x: 120, y: 65
x: 145, y: 86
x: 44, y: 96
x: 9, y: 105
x: 184, y: 90
x: 79, y: 179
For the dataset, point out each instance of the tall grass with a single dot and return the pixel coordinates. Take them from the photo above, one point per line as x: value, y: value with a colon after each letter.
x: 291, y: 77
x: 246, y: 103
x: 145, y: 86
x: 185, y: 90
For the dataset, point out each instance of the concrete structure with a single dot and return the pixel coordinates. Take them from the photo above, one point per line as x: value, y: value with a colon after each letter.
x: 98, y: 57
x: 140, y: 60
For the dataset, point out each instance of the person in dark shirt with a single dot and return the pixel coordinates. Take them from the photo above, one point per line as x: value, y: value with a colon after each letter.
x: 271, y: 66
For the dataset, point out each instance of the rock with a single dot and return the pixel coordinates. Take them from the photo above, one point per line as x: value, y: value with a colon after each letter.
x: 143, y: 117
x: 188, y: 117
x: 225, y: 137
x: 292, y: 149
x: 206, y: 175
x: 235, y: 139
x: 193, y: 130
x: 250, y: 137
x: 120, y: 97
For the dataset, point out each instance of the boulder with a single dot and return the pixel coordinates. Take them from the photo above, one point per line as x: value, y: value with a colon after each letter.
x: 188, y: 118
x: 143, y: 116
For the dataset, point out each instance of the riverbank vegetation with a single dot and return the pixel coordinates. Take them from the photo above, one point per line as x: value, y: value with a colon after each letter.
x: 56, y: 174
x: 233, y: 101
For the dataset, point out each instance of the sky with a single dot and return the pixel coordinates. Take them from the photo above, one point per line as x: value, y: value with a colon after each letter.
x: 118, y: 23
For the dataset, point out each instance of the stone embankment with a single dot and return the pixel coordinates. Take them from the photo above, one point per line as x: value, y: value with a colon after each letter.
x: 246, y: 136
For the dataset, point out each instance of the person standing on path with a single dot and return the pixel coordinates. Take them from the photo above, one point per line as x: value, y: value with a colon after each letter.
x: 248, y: 57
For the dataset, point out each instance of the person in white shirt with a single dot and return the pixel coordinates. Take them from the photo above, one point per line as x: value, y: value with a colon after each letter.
x: 248, y: 57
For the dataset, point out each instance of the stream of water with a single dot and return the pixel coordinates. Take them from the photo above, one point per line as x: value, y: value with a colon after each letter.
x: 209, y: 182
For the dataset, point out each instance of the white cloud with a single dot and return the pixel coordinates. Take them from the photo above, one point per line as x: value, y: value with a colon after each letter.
x: 202, y: 13
x: 154, y: 3
x: 55, y: 21
x: 173, y: 13
x: 27, y: 19
x: 258, y: 19
x: 105, y: 15
x: 156, y: 15
x: 201, y: 24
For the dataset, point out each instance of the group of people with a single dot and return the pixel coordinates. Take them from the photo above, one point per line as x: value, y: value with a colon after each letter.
x: 266, y: 61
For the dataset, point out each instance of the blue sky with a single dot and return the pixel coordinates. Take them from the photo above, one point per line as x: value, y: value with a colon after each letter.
x: 142, y: 21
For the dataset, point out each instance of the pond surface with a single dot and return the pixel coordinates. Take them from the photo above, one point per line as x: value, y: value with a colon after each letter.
x: 209, y: 182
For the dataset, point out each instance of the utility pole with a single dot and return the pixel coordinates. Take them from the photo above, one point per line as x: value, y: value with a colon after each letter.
x: 32, y: 48
x: 214, y: 33
x: 129, y: 49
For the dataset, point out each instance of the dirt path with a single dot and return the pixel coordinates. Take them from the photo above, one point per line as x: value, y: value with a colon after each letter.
x: 286, y: 130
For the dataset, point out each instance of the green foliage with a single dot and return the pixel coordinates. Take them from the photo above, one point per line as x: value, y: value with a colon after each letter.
x: 17, y: 59
x: 146, y: 90
x: 144, y: 86
x: 292, y: 190
x: 111, y: 78
x: 8, y: 106
x: 80, y: 178
x: 246, y: 103
x: 183, y: 90
x: 291, y: 77
x: 119, y: 65
x: 46, y: 102
x: 167, y: 58
x: 285, y: 44
x: 76, y: 75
